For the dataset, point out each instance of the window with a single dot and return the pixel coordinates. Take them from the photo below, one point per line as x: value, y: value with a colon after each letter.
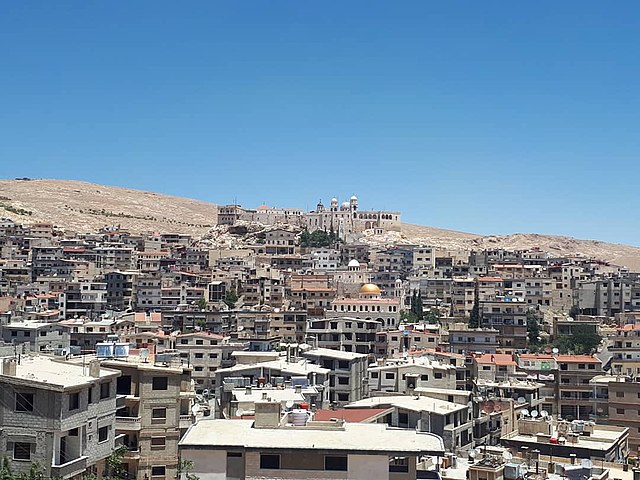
x: 158, y: 441
x: 270, y: 461
x: 620, y: 411
x: 389, y: 376
x: 437, y: 374
x: 103, y: 434
x: 21, y: 451
x: 158, y: 471
x: 581, y: 366
x: 234, y: 454
x: 592, y: 366
x: 213, y: 355
x: 199, y: 355
x: 90, y: 395
x: 335, y: 463
x: 105, y: 390
x: 424, y: 378
x: 24, y: 402
x: 620, y: 394
x: 74, y: 401
x: 198, y: 369
x: 343, y: 380
x: 199, y: 342
x: 159, y: 413
x: 375, y: 375
x: 160, y: 383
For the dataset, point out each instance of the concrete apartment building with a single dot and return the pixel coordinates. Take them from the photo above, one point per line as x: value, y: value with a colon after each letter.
x: 347, y: 376
x: 121, y: 290
x: 608, y: 296
x: 41, y: 336
x: 462, y: 296
x: 347, y: 334
x: 575, y: 393
x: 625, y: 347
x: 206, y: 352
x: 463, y: 339
x: 405, y: 377
x: 56, y: 414
x: 450, y: 421
x: 395, y: 342
x: 83, y: 299
x: 509, y: 317
x: 156, y: 411
x: 621, y: 407
x: 273, y: 447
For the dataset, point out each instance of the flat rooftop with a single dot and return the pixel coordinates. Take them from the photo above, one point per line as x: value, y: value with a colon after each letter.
x: 337, y: 354
x: 409, y: 402
x: 352, y: 437
x: 53, y: 374
x: 301, y: 368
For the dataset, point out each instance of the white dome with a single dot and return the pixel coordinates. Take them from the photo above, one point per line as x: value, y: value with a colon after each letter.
x: 354, y: 263
x: 345, y: 204
x: 334, y: 200
x: 353, y: 197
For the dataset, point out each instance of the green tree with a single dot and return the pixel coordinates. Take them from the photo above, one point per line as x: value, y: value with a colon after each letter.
x: 5, y: 470
x: 185, y: 469
x: 202, y: 304
x: 583, y: 340
x: 114, y: 464
x: 574, y: 311
x: 533, y: 328
x: 305, y: 238
x: 230, y: 298
x: 432, y: 316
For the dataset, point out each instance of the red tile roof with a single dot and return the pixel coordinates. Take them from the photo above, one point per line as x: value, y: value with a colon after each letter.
x: 352, y: 415
x: 496, y: 358
x: 577, y: 359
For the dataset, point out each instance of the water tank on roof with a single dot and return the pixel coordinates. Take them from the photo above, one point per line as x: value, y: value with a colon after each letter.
x: 299, y: 417
x: 121, y: 350
x: 105, y: 349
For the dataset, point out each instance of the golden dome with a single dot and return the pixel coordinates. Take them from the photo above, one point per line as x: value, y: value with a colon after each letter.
x: 370, y: 289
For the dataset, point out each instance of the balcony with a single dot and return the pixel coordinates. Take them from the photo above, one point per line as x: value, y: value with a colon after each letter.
x: 128, y: 423
x: 121, y: 401
x: 132, y: 453
x: 185, y: 421
x: 69, y: 469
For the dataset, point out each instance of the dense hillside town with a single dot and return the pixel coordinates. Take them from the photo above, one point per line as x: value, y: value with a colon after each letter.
x: 287, y: 343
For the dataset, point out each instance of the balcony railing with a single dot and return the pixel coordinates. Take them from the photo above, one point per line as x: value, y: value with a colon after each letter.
x: 185, y: 421
x: 128, y: 423
x: 69, y: 469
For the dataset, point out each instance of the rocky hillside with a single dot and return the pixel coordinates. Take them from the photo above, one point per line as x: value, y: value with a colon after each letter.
x: 82, y: 206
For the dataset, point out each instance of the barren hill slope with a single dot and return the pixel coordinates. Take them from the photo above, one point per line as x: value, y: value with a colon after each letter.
x: 82, y: 206
x: 618, y: 254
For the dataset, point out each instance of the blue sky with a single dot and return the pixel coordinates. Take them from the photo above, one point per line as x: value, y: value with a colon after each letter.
x: 489, y: 117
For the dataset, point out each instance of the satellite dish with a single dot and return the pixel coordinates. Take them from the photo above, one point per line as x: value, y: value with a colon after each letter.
x: 239, y: 411
x: 534, y: 413
x: 544, y: 414
x: 497, y: 407
x: 524, y: 412
x: 473, y: 453
x: 555, y: 351
x: 586, y: 463
x: 507, y: 455
x: 195, y: 409
x: 289, y: 403
x: 522, y: 400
